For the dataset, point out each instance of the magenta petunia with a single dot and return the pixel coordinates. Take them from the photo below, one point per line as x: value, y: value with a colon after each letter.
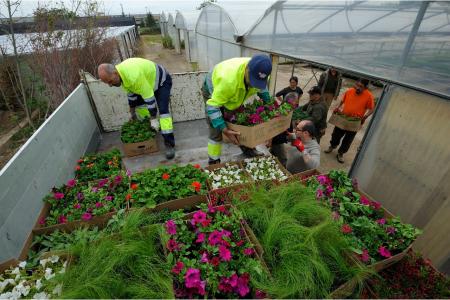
x: 383, y: 251
x: 365, y: 256
x: 381, y: 221
x: 102, y: 182
x: 171, y: 227
x: 214, y: 238
x: 95, y: 189
x: 193, y: 280
x: 329, y: 190
x: 242, y: 285
x: 260, y: 294
x: 249, y: 251
x: 62, y: 219
x: 259, y: 110
x: 204, y: 258
x: 86, y: 216
x: 364, y: 201
x: 255, y: 119
x: 118, y: 179
x: 172, y: 245
x: 375, y: 205
x: 390, y: 230
x: 319, y: 194
x: 58, y: 195
x: 199, y: 217
x: 80, y: 196
x: 178, y: 267
x: 224, y: 253
x: 71, y: 183
x: 98, y: 205
x: 109, y: 198
x: 324, y: 179
x: 77, y: 206
x: 200, y: 238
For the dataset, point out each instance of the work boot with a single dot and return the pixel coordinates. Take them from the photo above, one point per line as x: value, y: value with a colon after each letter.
x: 213, y: 161
x: 329, y: 150
x: 340, y: 158
x: 170, y: 152
x: 249, y: 152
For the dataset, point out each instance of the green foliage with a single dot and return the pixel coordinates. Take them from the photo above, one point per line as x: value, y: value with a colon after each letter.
x: 299, y: 114
x: 127, y: 264
x: 136, y: 131
x: 182, y: 45
x: 167, y: 183
x: 167, y: 42
x: 150, y: 21
x: 303, y: 247
x: 98, y: 165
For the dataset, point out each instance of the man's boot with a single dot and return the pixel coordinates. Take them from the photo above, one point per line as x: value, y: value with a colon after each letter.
x: 250, y: 152
x: 170, y: 152
x: 213, y: 161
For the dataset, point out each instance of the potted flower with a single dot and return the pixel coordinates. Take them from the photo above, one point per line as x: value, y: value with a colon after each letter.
x: 138, y: 137
x: 226, y: 174
x: 99, y: 165
x: 265, y: 168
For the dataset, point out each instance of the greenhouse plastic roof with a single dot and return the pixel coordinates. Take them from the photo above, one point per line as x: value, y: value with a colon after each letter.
x: 186, y: 20
x: 404, y: 41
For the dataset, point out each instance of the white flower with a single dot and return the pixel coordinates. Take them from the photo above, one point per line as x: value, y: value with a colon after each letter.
x: 7, y: 295
x: 57, y: 290
x: 17, y: 277
x: 49, y: 274
x: 43, y: 262
x: 54, y: 259
x: 22, y: 264
x: 38, y: 284
x: 42, y: 295
x: 16, y: 271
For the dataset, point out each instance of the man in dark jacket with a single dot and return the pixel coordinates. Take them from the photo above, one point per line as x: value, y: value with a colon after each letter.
x: 330, y: 84
x: 316, y: 110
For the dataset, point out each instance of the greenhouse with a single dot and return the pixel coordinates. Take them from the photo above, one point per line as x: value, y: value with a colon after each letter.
x: 93, y: 206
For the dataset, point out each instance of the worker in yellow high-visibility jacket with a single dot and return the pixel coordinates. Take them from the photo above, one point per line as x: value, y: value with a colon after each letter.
x: 148, y: 86
x: 228, y: 85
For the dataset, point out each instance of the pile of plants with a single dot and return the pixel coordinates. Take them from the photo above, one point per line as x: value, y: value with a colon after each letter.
x: 156, y: 186
x: 412, y: 278
x: 98, y: 165
x: 257, y: 112
x: 304, y: 249
x: 374, y: 236
x: 299, y: 114
x: 126, y: 264
x: 351, y: 118
x: 36, y: 282
x: 136, y: 131
x: 210, y: 254
x: 264, y: 168
x: 230, y: 174
x: 82, y: 201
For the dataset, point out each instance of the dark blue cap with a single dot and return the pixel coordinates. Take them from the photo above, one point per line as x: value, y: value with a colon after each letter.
x: 259, y: 69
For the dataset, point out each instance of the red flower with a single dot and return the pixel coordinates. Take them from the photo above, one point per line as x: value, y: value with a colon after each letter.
x: 206, y: 222
x: 197, y: 166
x: 197, y: 186
x: 42, y: 221
x: 365, y: 256
x: 346, y: 228
x: 86, y: 216
x: 77, y: 168
x: 172, y: 245
x: 62, y: 219
x: 240, y: 243
x: 215, y: 261
x: 178, y: 267
x: 128, y: 197
x: 221, y: 208
x: 110, y: 162
x: 80, y: 161
x: 134, y: 186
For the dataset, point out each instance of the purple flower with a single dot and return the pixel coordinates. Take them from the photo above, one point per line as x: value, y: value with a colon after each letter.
x: 118, y: 179
x: 71, y: 183
x: 94, y: 189
x: 204, y: 258
x: 214, y: 238
x: 260, y: 109
x: 80, y: 196
x: 324, y: 179
x: 128, y: 173
x: 171, y: 227
x: 199, y: 217
x: 109, y: 198
x: 255, y: 119
x: 102, y: 182
x: 381, y: 221
x: 98, y: 204
x: 390, y: 230
x: 319, y: 194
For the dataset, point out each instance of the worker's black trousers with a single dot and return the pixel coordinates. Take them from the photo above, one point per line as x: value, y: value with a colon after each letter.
x: 344, y: 135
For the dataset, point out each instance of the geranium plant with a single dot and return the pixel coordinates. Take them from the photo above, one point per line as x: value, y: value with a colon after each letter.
x: 210, y: 254
x: 136, y: 131
x: 75, y: 201
x: 228, y: 175
x: 375, y: 237
x: 36, y: 283
x: 258, y: 112
x: 99, y: 165
x: 264, y: 168
x: 155, y: 186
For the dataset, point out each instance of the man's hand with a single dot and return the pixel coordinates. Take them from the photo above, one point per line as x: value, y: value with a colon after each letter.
x: 232, y: 135
x: 154, y: 123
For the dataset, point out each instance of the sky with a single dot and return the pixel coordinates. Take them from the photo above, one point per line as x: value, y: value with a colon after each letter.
x: 112, y: 7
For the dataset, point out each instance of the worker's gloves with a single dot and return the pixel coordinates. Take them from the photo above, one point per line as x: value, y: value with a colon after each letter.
x: 298, y: 144
x: 154, y: 123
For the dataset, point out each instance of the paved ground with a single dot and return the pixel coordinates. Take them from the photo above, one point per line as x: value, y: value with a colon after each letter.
x: 192, y: 136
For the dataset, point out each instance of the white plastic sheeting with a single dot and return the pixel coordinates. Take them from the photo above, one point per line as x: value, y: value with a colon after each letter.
x: 185, y: 24
x: 403, y: 41
x: 173, y: 32
x: 163, y: 24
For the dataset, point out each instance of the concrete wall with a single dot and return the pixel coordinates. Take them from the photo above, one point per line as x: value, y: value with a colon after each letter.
x: 47, y: 159
x: 404, y: 164
x: 186, y: 100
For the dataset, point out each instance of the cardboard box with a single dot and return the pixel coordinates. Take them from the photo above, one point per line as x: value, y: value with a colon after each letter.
x: 251, y: 136
x: 341, y: 122
x: 145, y: 147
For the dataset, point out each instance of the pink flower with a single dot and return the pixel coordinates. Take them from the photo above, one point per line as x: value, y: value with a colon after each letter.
x: 364, y: 201
x: 227, y: 284
x: 102, y: 182
x: 98, y: 204
x: 95, y: 189
x: 80, y: 196
x: 199, y: 217
x: 86, y: 216
x: 200, y: 238
x: 193, y: 280
x: 214, y: 238
x: 335, y: 215
x: 211, y: 209
x: 42, y: 221
x: 346, y: 228
x: 109, y: 198
x: 329, y: 190
x: 172, y: 245
x: 71, y: 183
x: 62, y: 219
x: 319, y: 194
x: 324, y: 179
x: 222, y: 208
x: 390, y: 230
x: 128, y: 173
x: 364, y: 256
x: 242, y: 285
x: 224, y: 253
x: 375, y: 205
x: 215, y: 261
x: 260, y: 294
x: 226, y: 233
x: 77, y: 206
x: 171, y: 227
x: 254, y: 119
x: 118, y: 179
x: 384, y: 252
x: 381, y: 221
x: 204, y: 258
x: 58, y: 196
x: 259, y: 110
x: 249, y: 251
x: 178, y: 267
